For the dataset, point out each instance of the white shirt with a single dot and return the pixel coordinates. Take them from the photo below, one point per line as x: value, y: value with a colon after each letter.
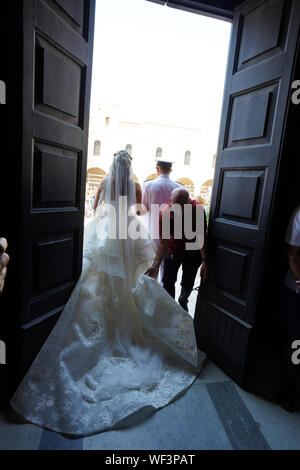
x: 292, y: 237
x: 157, y: 191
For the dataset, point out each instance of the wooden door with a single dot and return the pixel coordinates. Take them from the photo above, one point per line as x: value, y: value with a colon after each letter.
x: 257, y: 90
x: 56, y: 64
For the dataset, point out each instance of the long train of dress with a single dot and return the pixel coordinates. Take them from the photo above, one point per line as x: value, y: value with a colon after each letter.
x: 110, y: 355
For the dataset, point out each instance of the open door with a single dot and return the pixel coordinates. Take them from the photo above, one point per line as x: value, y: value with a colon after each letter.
x: 256, y: 96
x: 56, y: 67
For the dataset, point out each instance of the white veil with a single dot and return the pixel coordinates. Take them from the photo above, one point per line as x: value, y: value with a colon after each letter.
x: 118, y: 255
x: 117, y: 196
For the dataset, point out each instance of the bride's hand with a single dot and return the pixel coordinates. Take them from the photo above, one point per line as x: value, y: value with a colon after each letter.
x: 152, y: 272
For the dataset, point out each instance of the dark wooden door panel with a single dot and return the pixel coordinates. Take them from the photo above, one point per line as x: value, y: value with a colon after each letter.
x: 259, y: 72
x: 73, y: 8
x: 263, y: 32
x: 73, y: 12
x: 57, y: 61
x: 49, y: 191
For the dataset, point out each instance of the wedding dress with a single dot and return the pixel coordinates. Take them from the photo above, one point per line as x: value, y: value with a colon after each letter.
x: 121, y: 344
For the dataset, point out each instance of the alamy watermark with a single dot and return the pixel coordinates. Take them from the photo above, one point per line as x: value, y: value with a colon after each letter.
x: 296, y: 354
x: 122, y: 223
x: 2, y: 92
x: 2, y: 353
x: 296, y: 94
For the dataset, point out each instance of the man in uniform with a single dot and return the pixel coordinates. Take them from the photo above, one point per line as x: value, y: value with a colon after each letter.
x: 156, y: 196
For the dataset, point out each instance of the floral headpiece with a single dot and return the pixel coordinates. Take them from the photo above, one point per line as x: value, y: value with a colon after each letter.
x: 122, y: 154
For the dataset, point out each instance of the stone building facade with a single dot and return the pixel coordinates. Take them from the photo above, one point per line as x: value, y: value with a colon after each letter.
x: 112, y: 129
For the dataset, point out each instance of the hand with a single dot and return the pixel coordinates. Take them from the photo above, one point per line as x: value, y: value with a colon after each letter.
x: 95, y: 205
x: 152, y: 272
x: 4, y: 259
x: 3, y: 245
x: 204, y: 271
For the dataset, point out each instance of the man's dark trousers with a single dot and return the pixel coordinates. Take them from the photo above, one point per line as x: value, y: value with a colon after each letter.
x: 190, y: 261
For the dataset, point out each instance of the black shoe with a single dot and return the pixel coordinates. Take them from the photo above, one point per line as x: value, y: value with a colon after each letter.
x: 183, y: 299
x: 183, y: 304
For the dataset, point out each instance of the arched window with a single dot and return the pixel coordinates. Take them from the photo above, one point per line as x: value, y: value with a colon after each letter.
x: 94, y: 177
x: 187, y: 157
x: 129, y: 149
x: 206, y: 188
x: 188, y: 184
x: 97, y: 147
x: 151, y: 177
x: 158, y: 152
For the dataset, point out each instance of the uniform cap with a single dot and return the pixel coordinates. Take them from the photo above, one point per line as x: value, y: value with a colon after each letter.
x: 166, y: 162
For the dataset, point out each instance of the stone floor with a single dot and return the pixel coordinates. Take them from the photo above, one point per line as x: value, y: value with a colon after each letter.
x: 213, y: 414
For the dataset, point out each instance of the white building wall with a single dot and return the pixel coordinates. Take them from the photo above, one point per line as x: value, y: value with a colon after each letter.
x: 145, y: 137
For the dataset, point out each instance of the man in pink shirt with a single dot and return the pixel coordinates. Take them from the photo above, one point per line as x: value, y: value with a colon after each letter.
x: 156, y: 195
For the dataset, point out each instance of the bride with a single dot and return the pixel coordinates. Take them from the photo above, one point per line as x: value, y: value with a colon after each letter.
x: 122, y: 343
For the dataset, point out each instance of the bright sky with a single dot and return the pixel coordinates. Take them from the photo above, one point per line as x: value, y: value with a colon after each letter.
x: 159, y: 63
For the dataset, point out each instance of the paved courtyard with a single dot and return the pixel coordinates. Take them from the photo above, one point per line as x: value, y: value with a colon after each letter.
x: 213, y: 414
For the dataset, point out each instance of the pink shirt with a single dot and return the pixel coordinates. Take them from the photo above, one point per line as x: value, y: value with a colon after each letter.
x: 158, y: 192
